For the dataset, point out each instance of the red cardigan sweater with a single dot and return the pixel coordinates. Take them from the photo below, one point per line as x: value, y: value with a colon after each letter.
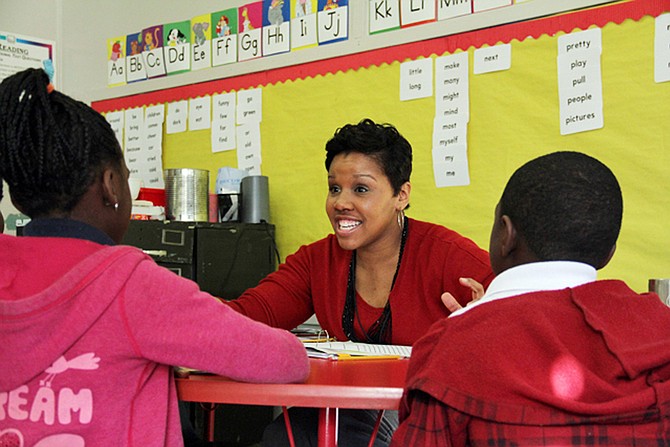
x: 583, y: 366
x: 314, y: 280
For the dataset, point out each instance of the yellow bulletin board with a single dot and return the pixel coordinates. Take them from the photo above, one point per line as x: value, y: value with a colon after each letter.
x: 514, y: 116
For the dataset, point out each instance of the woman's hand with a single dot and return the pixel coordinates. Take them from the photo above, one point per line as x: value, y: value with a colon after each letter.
x: 476, y: 288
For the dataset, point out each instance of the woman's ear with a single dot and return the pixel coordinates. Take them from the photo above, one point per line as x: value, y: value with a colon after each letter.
x: 403, y: 195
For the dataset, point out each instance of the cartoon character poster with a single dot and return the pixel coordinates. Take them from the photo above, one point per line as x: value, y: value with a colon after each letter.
x: 333, y: 21
x: 177, y: 46
x: 276, y: 27
x: 152, y: 50
x: 303, y: 24
x: 135, y: 69
x: 250, y: 22
x: 116, y: 61
x: 201, y: 48
x: 224, y: 36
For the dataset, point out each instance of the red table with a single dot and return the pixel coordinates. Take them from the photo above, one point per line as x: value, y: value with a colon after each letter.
x: 363, y: 384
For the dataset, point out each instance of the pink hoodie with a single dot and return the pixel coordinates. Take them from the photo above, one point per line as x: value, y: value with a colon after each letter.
x: 88, y: 333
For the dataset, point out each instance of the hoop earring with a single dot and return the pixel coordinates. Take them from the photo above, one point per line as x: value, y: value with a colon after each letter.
x: 401, y: 218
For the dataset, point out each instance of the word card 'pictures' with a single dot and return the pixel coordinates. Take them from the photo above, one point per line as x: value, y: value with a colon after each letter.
x: 580, y: 89
x: 224, y: 37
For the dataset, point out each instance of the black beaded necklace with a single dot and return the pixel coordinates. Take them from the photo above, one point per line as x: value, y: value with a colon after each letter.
x: 380, y: 331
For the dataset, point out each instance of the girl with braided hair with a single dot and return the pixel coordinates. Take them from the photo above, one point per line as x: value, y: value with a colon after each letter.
x: 91, y: 327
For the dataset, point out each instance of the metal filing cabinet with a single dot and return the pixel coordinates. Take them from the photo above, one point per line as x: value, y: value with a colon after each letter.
x: 224, y: 259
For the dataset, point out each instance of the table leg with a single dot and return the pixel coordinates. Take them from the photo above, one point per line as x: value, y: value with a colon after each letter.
x: 328, y: 427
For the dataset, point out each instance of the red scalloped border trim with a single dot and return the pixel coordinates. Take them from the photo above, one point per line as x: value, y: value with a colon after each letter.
x: 599, y: 16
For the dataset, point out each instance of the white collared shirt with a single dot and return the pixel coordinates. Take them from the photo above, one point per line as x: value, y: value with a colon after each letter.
x: 533, y: 277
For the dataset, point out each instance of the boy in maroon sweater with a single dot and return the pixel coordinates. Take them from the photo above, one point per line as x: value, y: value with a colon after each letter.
x: 549, y: 356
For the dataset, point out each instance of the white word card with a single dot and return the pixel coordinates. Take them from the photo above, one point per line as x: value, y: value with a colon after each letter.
x: 495, y: 58
x: 134, y: 139
x: 177, y: 116
x: 580, y: 81
x: 115, y: 120
x: 199, y: 110
x: 249, y: 148
x: 662, y: 48
x: 150, y: 159
x: 250, y: 106
x: 416, y: 79
x: 452, y: 87
x: 450, y: 166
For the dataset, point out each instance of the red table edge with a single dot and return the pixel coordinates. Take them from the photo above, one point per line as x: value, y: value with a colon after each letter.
x: 227, y: 392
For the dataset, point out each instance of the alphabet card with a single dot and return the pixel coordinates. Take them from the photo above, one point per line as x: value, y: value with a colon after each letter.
x: 303, y: 24
x: 580, y: 90
x: 333, y: 21
x: 483, y: 5
x: 201, y: 43
x: 414, y: 12
x: 224, y: 37
x: 448, y: 9
x: 250, y: 21
x: 135, y: 70
x: 276, y: 27
x: 116, y: 61
x: 152, y: 51
x: 177, y: 43
x: 384, y: 15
